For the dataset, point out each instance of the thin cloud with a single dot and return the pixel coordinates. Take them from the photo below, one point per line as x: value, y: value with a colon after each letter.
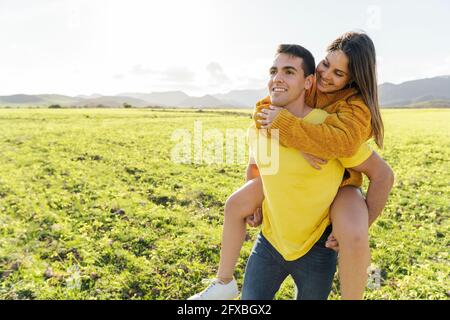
x: 178, y: 75
x: 169, y: 75
x: 216, y: 74
x: 139, y: 70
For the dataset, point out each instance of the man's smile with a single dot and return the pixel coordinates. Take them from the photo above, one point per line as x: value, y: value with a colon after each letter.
x: 279, y: 89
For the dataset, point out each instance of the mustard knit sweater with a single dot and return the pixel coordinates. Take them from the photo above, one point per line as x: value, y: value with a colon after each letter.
x: 344, y: 130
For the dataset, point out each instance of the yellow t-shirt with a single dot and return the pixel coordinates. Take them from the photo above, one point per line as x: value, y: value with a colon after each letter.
x: 297, y: 196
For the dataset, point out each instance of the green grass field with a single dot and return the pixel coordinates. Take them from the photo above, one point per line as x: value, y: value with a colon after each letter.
x: 92, y: 207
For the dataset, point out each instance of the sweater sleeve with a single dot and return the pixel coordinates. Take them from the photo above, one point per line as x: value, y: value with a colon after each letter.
x: 340, y: 135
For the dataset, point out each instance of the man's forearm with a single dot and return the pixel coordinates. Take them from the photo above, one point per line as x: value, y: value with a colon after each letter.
x: 377, y: 195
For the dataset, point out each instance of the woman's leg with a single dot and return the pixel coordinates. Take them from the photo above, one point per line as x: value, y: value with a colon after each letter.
x: 350, y: 219
x: 239, y: 205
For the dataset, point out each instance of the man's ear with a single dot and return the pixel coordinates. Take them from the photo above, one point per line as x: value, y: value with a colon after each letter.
x: 309, y: 81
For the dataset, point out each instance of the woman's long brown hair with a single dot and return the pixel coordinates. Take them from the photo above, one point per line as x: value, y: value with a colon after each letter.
x: 361, y: 54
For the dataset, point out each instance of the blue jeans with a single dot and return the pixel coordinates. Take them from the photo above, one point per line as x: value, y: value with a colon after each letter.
x: 312, y: 273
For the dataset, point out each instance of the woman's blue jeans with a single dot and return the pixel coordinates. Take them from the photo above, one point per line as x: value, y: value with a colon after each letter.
x: 312, y: 273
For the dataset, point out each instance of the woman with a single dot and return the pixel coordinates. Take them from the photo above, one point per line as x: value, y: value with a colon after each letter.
x: 346, y: 87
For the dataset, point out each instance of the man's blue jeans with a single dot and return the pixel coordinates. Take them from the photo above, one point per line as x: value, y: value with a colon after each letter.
x: 312, y: 273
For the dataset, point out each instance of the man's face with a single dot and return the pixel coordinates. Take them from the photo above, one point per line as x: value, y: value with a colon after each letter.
x: 287, y: 80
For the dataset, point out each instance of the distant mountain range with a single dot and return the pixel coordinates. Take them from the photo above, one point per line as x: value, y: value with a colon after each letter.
x: 430, y: 92
x: 234, y: 99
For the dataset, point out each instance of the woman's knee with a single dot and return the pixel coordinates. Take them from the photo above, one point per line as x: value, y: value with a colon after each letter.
x: 231, y: 206
x: 356, y: 237
x: 244, y: 201
x: 236, y: 208
x: 350, y: 218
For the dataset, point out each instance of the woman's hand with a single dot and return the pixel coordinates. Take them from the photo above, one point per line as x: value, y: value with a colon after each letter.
x: 313, y: 160
x: 255, y: 219
x: 267, y: 116
x: 332, y: 243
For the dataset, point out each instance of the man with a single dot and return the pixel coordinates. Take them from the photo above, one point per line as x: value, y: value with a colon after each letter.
x: 297, y: 196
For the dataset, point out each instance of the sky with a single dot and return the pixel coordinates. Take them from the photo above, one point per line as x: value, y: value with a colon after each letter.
x: 202, y: 47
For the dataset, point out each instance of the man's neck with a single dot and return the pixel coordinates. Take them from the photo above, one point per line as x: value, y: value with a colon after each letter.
x: 299, y: 108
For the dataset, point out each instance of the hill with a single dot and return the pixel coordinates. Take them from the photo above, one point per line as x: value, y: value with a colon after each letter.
x: 414, y: 92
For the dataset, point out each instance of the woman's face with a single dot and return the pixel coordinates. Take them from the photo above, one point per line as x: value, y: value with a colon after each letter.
x: 332, y: 72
